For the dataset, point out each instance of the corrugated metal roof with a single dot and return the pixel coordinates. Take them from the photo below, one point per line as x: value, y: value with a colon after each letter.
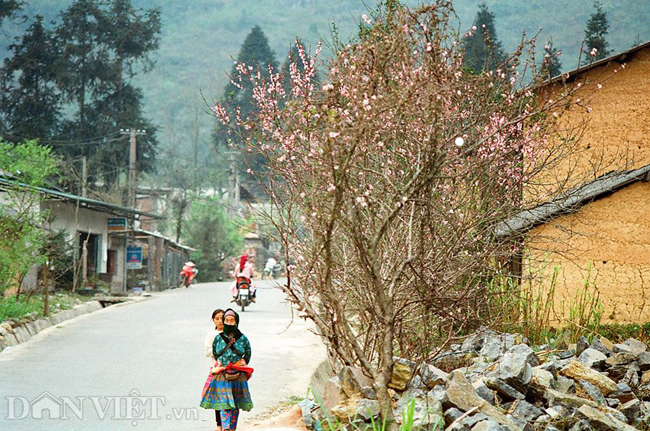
x: 154, y: 234
x: 84, y: 202
x: 570, y: 202
x: 621, y: 56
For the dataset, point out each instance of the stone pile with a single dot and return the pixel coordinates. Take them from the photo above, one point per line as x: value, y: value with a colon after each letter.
x: 503, y: 384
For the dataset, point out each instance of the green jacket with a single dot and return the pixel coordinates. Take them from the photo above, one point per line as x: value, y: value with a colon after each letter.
x: 241, y: 349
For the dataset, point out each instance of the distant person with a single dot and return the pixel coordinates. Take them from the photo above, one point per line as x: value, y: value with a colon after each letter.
x: 228, y: 390
x: 243, y: 272
x: 217, y: 319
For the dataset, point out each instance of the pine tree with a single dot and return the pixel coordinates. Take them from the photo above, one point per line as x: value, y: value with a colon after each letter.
x: 31, y: 105
x: 597, y: 29
x: 551, y: 65
x: 9, y: 8
x: 101, y: 43
x: 256, y: 53
x: 483, y: 50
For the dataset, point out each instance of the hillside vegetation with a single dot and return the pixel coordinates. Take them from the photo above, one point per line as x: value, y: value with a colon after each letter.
x: 199, y: 37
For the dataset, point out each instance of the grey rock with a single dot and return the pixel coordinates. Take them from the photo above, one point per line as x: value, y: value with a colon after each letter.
x: 451, y: 414
x: 31, y: 328
x: 551, y: 428
x: 591, y: 390
x: 581, y: 425
x: 502, y: 388
x: 461, y: 394
x: 567, y: 400
x: 564, y: 384
x: 439, y: 394
x: 556, y: 411
x: 367, y: 409
x: 526, y: 411
x: 332, y: 394
x: 432, y: 376
x: 616, y: 372
x: 489, y: 425
x: 543, y: 419
x: 614, y: 413
x: 474, y: 342
x: 408, y: 395
x: 350, y: 381
x: 632, y: 410
x: 467, y: 422
x: 592, y: 358
x: 541, y: 377
x: 369, y: 392
x: 552, y: 365
x: 601, y: 420
x: 567, y: 354
x: 581, y: 345
x: 416, y: 382
x: 637, y: 346
x: 515, y: 368
x: 484, y: 392
x: 496, y: 345
x: 621, y: 358
x: 428, y: 411
x: 521, y: 423
x: 624, y: 393
x: 644, y: 361
x: 596, y: 344
x: 612, y: 402
x: 632, y: 375
x: 306, y: 407
x: 622, y: 348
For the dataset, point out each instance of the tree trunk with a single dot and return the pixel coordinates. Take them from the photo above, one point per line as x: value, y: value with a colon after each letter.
x: 381, y: 389
x: 46, y: 289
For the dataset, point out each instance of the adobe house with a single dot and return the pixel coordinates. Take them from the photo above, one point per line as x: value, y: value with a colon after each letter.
x: 599, y: 231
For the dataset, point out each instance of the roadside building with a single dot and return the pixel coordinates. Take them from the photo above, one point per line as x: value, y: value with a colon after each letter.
x: 100, y: 233
x: 596, y: 237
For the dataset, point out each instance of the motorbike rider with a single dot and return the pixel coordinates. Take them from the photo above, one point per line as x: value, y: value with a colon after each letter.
x: 269, y: 268
x: 188, y: 272
x: 243, y: 272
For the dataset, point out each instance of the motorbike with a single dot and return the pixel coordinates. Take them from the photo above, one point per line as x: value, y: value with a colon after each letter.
x: 188, y: 273
x: 244, y: 294
x: 272, y: 269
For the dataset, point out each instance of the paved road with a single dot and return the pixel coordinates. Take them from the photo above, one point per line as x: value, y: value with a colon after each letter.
x: 142, y: 366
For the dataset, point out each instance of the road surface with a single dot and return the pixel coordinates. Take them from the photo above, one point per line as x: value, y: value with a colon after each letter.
x: 141, y: 366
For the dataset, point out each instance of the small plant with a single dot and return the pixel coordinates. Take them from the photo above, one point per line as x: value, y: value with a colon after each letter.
x: 408, y: 417
x: 586, y: 312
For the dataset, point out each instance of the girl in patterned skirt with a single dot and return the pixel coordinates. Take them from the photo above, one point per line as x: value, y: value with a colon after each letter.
x: 217, y: 319
x: 228, y: 390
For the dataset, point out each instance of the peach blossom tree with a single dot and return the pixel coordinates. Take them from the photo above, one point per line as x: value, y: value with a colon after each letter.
x: 387, y: 180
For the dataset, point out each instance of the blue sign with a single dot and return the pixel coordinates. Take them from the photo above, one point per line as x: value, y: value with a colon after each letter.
x: 116, y: 224
x: 133, y: 257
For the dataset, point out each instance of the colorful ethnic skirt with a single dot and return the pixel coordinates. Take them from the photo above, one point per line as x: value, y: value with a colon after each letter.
x: 222, y: 394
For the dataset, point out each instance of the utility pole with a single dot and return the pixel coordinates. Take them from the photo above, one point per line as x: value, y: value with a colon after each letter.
x: 132, y: 162
x: 84, y: 176
x: 129, y: 239
x: 233, y: 181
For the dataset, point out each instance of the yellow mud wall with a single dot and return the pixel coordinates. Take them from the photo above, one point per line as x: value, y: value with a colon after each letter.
x: 610, y: 118
x: 612, y: 236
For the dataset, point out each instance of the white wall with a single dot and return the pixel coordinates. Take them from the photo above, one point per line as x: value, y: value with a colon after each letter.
x: 66, y: 216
